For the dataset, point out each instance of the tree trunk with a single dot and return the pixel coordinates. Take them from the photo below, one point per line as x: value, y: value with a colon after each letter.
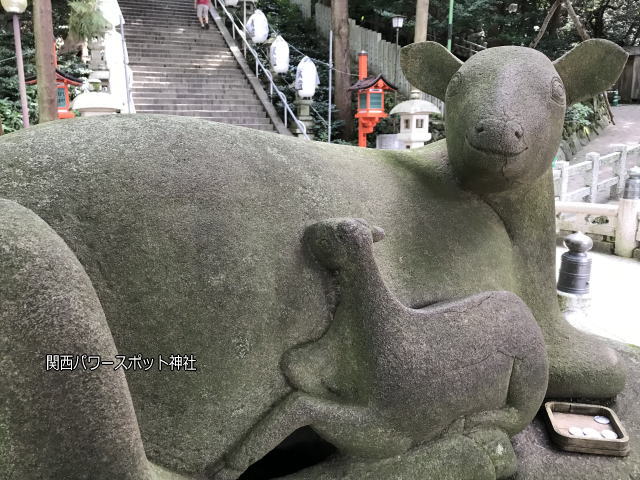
x: 576, y: 20
x: 545, y: 24
x: 422, y: 19
x: 342, y: 64
x: 45, y: 62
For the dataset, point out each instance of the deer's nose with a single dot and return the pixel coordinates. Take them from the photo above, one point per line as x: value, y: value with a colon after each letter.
x: 496, y: 135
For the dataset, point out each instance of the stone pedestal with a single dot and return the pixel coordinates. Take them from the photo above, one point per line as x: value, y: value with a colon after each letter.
x: 576, y: 309
x: 303, y: 112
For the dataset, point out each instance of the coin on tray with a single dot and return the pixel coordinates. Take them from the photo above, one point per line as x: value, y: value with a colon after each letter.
x: 601, y: 419
x: 609, y: 434
x: 591, y: 433
x: 576, y: 431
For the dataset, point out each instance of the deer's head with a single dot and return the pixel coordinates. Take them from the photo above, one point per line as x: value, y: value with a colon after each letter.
x: 505, y: 106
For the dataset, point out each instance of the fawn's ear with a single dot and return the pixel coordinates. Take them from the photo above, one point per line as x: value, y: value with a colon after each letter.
x: 590, y: 68
x: 429, y: 66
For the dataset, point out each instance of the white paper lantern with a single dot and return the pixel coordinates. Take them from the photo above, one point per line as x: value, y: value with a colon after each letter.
x: 279, y: 55
x: 14, y: 6
x: 258, y: 27
x: 306, y: 78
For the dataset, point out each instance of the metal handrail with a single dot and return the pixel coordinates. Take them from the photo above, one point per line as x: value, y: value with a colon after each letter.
x: 260, y: 66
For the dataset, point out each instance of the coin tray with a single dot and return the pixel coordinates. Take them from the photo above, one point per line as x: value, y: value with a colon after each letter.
x: 560, y: 416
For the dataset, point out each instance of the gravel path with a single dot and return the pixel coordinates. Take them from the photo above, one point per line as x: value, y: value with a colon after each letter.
x: 615, y: 312
x: 626, y: 130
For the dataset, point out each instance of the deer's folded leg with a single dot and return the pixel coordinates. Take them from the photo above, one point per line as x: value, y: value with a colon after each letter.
x: 332, y: 419
x: 61, y: 415
x: 454, y: 457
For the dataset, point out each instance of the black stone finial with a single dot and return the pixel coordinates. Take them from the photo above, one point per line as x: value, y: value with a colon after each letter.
x: 575, y: 269
x: 578, y: 242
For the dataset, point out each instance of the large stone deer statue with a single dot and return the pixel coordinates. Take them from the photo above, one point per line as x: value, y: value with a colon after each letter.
x: 150, y: 236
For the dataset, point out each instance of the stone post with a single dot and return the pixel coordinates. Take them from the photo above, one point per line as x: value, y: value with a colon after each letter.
x: 628, y: 211
x: 574, y: 297
x: 620, y: 171
x: 564, y: 180
x: 303, y: 112
x: 594, y: 158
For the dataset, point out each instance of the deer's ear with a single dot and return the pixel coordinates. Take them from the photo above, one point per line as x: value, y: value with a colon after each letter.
x: 429, y: 66
x: 590, y: 68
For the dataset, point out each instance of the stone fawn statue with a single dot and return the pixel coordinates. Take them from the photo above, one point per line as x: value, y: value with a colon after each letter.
x: 480, y: 360
x: 127, y: 240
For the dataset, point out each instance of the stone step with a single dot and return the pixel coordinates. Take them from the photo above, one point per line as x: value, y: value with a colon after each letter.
x: 221, y: 102
x: 157, y: 53
x: 219, y: 88
x: 158, y: 10
x: 145, y: 97
x: 265, y: 127
x: 210, y: 107
x: 168, y: 66
x: 205, y: 76
x: 191, y: 80
x: 165, y: 48
x: 190, y: 68
x: 194, y: 77
x: 204, y: 102
x: 174, y: 20
x: 201, y: 49
x: 143, y: 41
x: 213, y: 117
x: 151, y: 38
x: 190, y: 28
x: 190, y: 86
x: 232, y: 91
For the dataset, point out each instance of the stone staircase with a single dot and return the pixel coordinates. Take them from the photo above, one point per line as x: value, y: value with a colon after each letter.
x: 180, y: 69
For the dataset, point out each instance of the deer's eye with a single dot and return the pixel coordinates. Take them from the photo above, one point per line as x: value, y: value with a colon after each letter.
x: 455, y: 84
x: 557, y: 91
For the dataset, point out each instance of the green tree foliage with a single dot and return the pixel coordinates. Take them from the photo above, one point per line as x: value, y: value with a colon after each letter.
x: 85, y: 21
x: 616, y: 20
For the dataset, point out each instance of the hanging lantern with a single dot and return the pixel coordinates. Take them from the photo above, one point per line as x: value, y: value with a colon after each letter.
x: 258, y: 27
x: 279, y: 55
x: 306, y: 78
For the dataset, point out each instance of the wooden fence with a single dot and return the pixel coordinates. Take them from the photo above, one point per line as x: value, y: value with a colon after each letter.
x: 598, y: 178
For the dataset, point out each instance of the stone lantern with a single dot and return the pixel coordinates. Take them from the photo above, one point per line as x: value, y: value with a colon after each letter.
x: 95, y: 103
x: 414, y: 121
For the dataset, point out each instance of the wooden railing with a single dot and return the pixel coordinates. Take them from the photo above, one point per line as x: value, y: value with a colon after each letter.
x: 598, y: 178
x: 466, y: 49
x: 619, y: 225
